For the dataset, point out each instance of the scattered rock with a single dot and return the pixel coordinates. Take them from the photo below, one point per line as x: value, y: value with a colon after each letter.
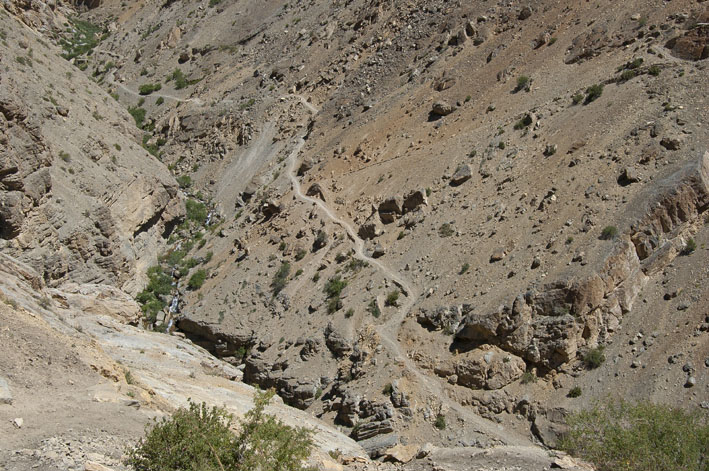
x: 498, y: 255
x: 488, y: 367
x: 442, y: 108
x: 414, y: 199
x: 400, y: 453
x: 670, y: 143
x: 525, y: 13
x: 628, y: 175
x: 461, y: 175
x: 691, y: 381
x: 5, y: 393
x: 18, y: 422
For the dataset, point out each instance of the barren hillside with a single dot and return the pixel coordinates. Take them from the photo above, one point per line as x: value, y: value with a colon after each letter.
x: 417, y: 221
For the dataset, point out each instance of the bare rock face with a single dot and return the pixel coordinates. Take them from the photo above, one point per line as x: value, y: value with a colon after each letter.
x: 488, y: 367
x: 694, y: 44
x: 71, y: 204
x: 548, y: 326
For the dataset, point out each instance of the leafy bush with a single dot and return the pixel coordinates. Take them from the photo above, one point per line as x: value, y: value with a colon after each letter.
x: 392, y: 298
x: 198, y: 438
x: 594, y: 357
x: 334, y: 286
x: 689, y: 247
x: 524, y: 122
x: 300, y: 254
x: 159, y: 101
x: 627, y: 75
x: 574, y: 392
x: 609, y: 232
x: 150, y: 299
x: 464, y: 268
x: 373, y: 309
x: 196, y: 211
x: 280, y: 279
x: 654, y: 70
x: 197, y: 279
x: 446, y: 230
x: 138, y: 115
x: 184, y: 181
x: 179, y: 77
x: 576, y: 99
x: 594, y: 92
x: 522, y: 82
x: 440, y: 422
x: 148, y: 88
x: 528, y: 377
x: 637, y: 437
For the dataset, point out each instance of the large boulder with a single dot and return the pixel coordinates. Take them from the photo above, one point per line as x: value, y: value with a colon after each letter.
x: 488, y: 367
x: 442, y: 108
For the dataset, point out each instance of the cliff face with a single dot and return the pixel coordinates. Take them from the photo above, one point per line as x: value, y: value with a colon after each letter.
x: 80, y: 199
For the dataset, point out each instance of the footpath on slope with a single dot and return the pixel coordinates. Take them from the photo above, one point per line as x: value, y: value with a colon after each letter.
x: 390, y: 329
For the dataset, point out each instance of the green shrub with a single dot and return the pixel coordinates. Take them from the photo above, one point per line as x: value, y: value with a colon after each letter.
x: 392, y: 298
x: 654, y: 70
x: 198, y: 438
x: 196, y: 211
x: 689, y: 247
x: 528, y: 377
x: 334, y: 305
x: 440, y: 422
x: 180, y: 80
x: 388, y: 388
x: 574, y: 392
x: 300, y: 254
x: 609, y: 232
x: 349, y: 313
x: 522, y: 82
x: 373, y: 309
x: 446, y: 230
x: 464, y: 268
x: 594, y: 92
x: 524, y: 122
x: 576, y: 99
x: 184, y: 181
x: 148, y: 88
x: 594, y: 357
x: 334, y: 286
x: 627, y: 75
x: 159, y: 101
x: 625, y: 436
x: 280, y: 279
x: 138, y: 115
x: 197, y: 279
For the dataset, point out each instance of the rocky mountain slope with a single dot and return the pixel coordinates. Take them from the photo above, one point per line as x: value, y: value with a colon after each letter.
x: 418, y: 221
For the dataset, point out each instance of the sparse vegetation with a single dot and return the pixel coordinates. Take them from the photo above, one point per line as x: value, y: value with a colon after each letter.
x: 464, y: 268
x: 594, y: 92
x: 148, y: 88
x: 446, y: 230
x: 200, y: 438
x: 574, y: 392
x: 185, y: 181
x: 138, y: 115
x: 159, y: 101
x: 151, y: 298
x: 440, y: 422
x: 522, y: 82
x: 689, y: 247
x: 196, y: 211
x: 180, y: 80
x: 280, y: 279
x: 300, y: 254
x: 654, y: 70
x: 609, y: 232
x: 85, y: 37
x: 524, y: 122
x: 197, y: 279
x: 578, y: 98
x: 373, y: 308
x: 387, y: 389
x: 64, y: 156
x: 392, y: 298
x: 528, y: 377
x: 640, y: 436
x: 594, y: 357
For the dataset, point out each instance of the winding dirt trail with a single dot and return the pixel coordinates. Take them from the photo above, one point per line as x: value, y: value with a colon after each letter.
x: 389, y: 330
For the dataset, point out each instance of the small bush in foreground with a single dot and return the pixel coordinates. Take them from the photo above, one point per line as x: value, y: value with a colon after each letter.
x: 198, y: 438
x: 638, y: 437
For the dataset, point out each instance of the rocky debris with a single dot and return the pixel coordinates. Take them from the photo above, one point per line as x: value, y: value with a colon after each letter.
x: 390, y: 208
x: 442, y: 318
x: 297, y: 392
x: 270, y: 208
x: 316, y: 190
x: 305, y: 165
x: 525, y: 13
x: 628, y: 175
x: 588, y: 44
x: 497, y: 255
x: 336, y: 342
x: 670, y: 143
x: 371, y: 429
x: 400, y: 453
x: 549, y: 426
x: 5, y: 393
x: 414, y: 199
x: 547, y: 326
x: 210, y: 337
x: 377, y: 446
x: 371, y: 229
x: 398, y: 397
x: 378, y: 251
x: 461, y: 175
x: 693, y: 44
x: 442, y: 108
x: 487, y: 367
